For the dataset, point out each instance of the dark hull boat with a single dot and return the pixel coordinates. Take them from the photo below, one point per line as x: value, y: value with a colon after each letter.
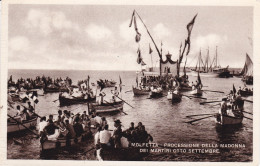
x: 65, y: 101
x: 156, y: 94
x: 245, y: 93
x: 55, y: 89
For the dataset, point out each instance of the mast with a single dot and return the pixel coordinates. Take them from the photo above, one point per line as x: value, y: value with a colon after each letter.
x: 208, y: 60
x: 216, y: 56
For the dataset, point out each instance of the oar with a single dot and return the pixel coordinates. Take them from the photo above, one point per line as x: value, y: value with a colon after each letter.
x: 115, y: 107
x: 128, y: 91
x: 199, y: 97
x: 248, y: 100
x: 187, y: 96
x: 55, y: 100
x: 125, y: 101
x: 23, y: 125
x: 33, y: 112
x: 199, y: 119
x: 89, y: 150
x: 247, y: 112
x: 198, y: 115
x: 202, y: 103
x: 214, y: 91
x: 247, y: 118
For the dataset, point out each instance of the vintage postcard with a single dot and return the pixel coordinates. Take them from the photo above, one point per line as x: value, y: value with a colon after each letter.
x: 84, y: 81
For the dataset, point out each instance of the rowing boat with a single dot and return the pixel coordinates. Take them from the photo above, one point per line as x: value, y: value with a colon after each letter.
x: 108, y: 107
x: 196, y: 92
x: 13, y: 126
x: 138, y: 92
x: 65, y: 101
x: 229, y: 120
x: 62, y: 142
x: 246, y: 93
x: 156, y: 94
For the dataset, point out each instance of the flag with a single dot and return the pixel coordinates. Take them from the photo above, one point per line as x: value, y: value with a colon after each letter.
x: 199, y: 80
x: 150, y: 49
x: 132, y: 19
x: 120, y: 83
x: 139, y: 58
x: 142, y: 63
x: 101, y: 84
x: 234, y: 89
x: 189, y: 28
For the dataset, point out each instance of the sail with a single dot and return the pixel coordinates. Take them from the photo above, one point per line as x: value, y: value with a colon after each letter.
x: 248, y: 67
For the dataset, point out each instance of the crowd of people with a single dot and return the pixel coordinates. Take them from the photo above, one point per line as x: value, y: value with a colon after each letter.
x: 67, y: 125
x: 232, y: 104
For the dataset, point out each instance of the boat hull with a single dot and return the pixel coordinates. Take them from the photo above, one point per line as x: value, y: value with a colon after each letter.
x: 13, y: 126
x: 156, y: 94
x: 196, y: 92
x: 138, y: 92
x: 70, y: 101
x: 176, y: 98
x: 246, y: 93
x: 108, y: 107
x: 228, y: 120
x: 62, y: 142
x: 55, y: 90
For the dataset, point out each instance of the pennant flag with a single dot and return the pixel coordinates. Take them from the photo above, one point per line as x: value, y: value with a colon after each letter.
x: 120, y: 83
x: 199, y: 80
x: 234, y: 89
x: 132, y: 19
x: 150, y: 49
x: 101, y: 84
x: 139, y: 58
x: 189, y: 28
x: 142, y: 63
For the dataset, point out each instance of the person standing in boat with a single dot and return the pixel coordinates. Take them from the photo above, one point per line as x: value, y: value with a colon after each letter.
x: 70, y: 128
x: 223, y: 107
x: 43, y: 123
x: 78, y: 128
x: 115, y: 93
x: 117, y: 134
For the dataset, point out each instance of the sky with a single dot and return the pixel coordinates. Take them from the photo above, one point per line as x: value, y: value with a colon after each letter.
x: 98, y: 37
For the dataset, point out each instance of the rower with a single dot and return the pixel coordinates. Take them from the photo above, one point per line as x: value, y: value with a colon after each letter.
x: 223, y: 107
x: 42, y: 125
x: 115, y: 94
x: 78, y: 128
x: 117, y: 134
x: 70, y: 128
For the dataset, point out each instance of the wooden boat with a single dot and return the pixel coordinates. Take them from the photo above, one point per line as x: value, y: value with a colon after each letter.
x: 108, y: 107
x: 13, y: 126
x: 196, y: 92
x: 64, y: 101
x: 110, y: 84
x: 138, y: 92
x: 55, y: 89
x: 229, y: 120
x: 156, y: 94
x: 62, y: 142
x: 245, y: 93
x: 125, y: 153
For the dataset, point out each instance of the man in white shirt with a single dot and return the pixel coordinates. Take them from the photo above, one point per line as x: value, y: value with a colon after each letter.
x: 105, y: 136
x: 98, y: 120
x: 42, y: 125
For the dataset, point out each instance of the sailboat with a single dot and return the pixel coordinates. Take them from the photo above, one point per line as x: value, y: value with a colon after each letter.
x: 247, y: 71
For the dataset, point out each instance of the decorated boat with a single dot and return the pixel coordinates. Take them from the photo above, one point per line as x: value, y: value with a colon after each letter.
x: 138, y: 91
x: 13, y: 126
x: 108, y: 107
x: 69, y: 100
